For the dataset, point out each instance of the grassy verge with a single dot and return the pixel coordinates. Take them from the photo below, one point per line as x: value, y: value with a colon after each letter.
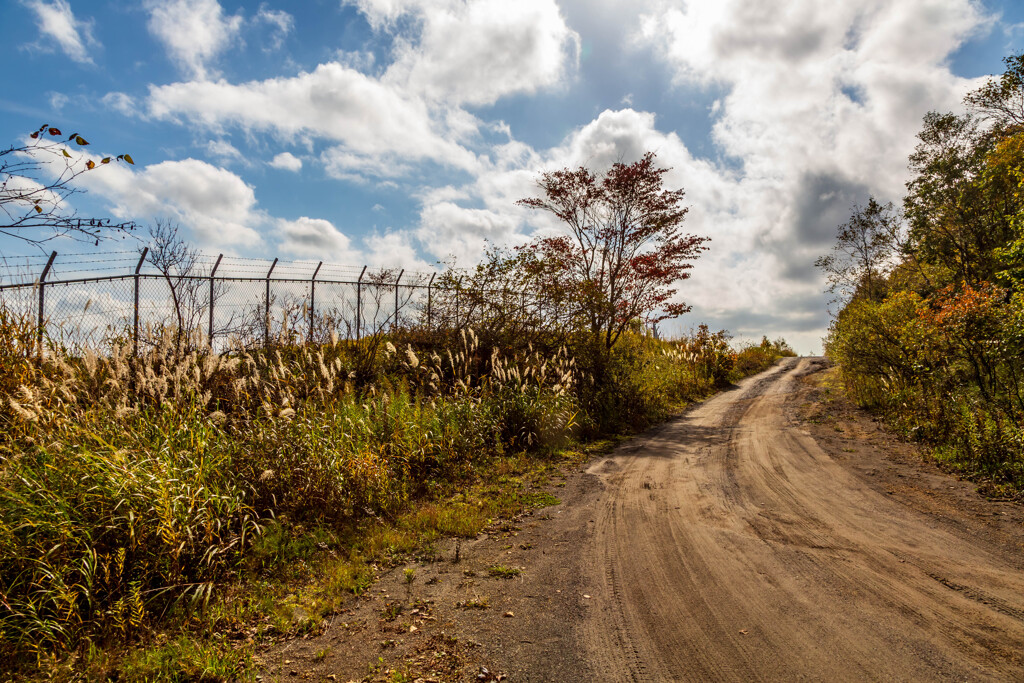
x: 161, y: 517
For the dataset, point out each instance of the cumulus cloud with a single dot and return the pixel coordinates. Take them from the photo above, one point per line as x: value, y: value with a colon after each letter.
x: 342, y: 164
x: 821, y: 107
x: 224, y: 151
x: 57, y: 22
x: 286, y: 161
x: 393, y: 249
x: 448, y: 230
x: 332, y: 102
x: 476, y: 52
x: 449, y: 54
x: 217, y: 206
x: 120, y: 102
x: 193, y: 31
x: 816, y: 105
x: 315, y: 237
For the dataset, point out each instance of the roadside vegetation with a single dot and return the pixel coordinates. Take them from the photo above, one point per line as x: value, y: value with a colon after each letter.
x: 930, y: 326
x: 165, y: 513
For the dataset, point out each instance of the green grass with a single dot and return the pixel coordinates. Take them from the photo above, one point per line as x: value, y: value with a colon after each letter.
x: 501, y: 571
x: 149, y: 506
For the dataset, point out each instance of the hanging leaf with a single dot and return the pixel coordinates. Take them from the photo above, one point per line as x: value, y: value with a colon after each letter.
x: 128, y: 158
x: 34, y: 135
x: 66, y: 153
x: 90, y: 164
x: 105, y: 160
x: 37, y: 208
x: 55, y: 131
x: 80, y: 140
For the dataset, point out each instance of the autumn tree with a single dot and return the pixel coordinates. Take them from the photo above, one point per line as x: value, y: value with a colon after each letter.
x: 864, y: 251
x: 37, y: 177
x: 1001, y: 100
x: 623, y: 253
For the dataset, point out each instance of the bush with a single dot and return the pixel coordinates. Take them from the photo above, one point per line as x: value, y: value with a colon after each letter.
x: 131, y: 488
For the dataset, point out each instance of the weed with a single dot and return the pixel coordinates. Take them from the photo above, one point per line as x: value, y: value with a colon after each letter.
x: 474, y: 603
x: 503, y: 572
x: 391, y: 611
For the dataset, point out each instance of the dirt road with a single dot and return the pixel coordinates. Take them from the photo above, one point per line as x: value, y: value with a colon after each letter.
x: 730, y: 546
x: 763, y: 535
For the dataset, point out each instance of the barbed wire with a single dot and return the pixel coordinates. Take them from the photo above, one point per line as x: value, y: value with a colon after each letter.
x: 15, y: 269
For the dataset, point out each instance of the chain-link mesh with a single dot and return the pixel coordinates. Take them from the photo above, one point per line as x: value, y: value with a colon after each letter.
x: 109, y: 298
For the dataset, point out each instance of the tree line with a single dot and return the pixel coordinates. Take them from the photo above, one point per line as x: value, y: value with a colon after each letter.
x: 929, y: 326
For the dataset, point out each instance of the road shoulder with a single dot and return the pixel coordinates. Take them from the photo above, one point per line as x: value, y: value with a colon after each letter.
x: 863, y: 445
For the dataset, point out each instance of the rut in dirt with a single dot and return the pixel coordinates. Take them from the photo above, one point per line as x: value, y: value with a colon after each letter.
x: 728, y: 545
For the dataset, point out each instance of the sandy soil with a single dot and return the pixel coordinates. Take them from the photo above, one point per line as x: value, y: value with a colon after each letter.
x: 770, y: 533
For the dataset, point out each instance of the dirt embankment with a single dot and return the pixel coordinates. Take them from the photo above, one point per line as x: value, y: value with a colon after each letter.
x: 770, y: 533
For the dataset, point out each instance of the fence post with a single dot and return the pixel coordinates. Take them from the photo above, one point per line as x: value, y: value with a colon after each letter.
x: 42, y: 302
x: 135, y: 327
x: 266, y: 309
x: 212, y: 273
x: 429, y: 293
x: 397, y: 279
x: 359, y: 303
x: 312, y: 301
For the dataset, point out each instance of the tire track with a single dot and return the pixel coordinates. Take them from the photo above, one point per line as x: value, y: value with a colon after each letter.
x: 729, y: 546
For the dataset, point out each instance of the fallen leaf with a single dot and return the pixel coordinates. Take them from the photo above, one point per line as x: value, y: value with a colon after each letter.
x: 743, y: 631
x: 509, y: 614
x: 586, y: 596
x: 413, y: 629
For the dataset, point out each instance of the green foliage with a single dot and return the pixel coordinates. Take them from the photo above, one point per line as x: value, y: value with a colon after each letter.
x: 135, y: 490
x: 941, y: 353
x: 501, y: 571
x: 184, y: 661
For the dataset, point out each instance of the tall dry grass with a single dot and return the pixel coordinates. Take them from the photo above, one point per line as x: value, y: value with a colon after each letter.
x: 130, y: 487
x: 135, y: 488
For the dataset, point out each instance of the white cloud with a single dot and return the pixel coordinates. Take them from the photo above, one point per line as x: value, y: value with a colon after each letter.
x: 332, y: 102
x: 287, y: 161
x: 58, y: 100
x: 316, y: 237
x: 224, y: 151
x: 217, y: 206
x: 448, y: 230
x: 193, y: 31
x: 56, y: 21
x: 821, y: 107
x: 282, y: 23
x: 394, y: 249
x: 476, y: 52
x: 455, y: 52
x: 816, y: 105
x: 319, y: 239
x: 120, y: 102
x: 344, y: 165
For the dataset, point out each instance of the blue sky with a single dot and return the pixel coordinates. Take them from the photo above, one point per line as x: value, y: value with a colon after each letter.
x: 399, y: 132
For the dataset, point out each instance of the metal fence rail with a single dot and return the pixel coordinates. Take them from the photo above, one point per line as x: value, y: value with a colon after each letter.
x: 253, y: 300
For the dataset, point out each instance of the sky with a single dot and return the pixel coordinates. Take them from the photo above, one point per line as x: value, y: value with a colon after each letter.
x: 400, y: 133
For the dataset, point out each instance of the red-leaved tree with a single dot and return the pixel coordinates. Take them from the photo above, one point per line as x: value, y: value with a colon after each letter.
x: 624, y: 253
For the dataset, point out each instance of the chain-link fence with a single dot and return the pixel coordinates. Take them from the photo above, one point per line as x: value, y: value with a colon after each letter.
x: 118, y: 297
